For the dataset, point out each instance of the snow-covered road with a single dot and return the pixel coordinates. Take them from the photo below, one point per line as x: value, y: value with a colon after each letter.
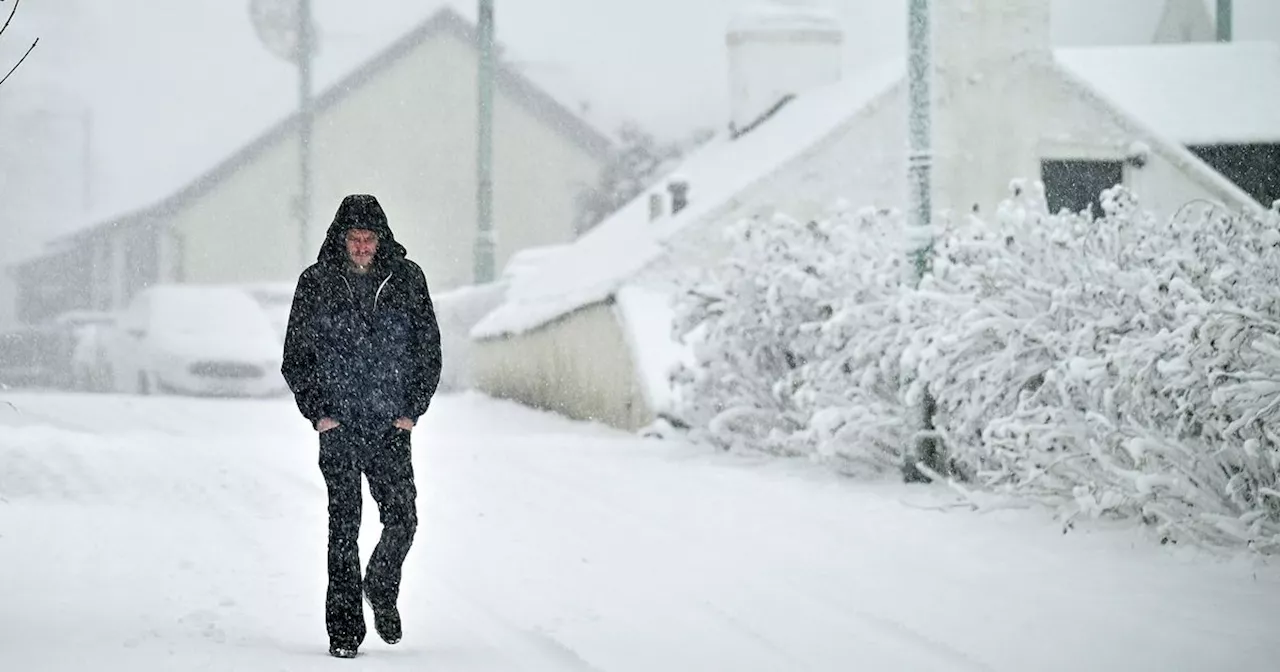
x: 139, y: 535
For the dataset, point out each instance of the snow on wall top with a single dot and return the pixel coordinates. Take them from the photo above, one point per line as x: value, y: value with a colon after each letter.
x: 594, y: 267
x: 1202, y: 93
x: 784, y: 16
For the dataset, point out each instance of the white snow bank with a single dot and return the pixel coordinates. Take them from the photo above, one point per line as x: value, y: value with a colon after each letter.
x: 593, y: 268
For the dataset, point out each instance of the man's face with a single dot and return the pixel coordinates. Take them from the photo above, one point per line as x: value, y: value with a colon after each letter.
x: 362, y: 244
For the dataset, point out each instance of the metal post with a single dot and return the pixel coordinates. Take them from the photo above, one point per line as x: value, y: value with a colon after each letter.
x: 1224, y: 20
x: 87, y: 162
x: 920, y: 156
x: 925, y: 448
x: 484, y: 246
x: 306, y: 51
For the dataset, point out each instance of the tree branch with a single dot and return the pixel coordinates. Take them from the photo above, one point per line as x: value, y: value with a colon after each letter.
x: 20, y: 60
x: 6, y: 27
x: 11, y: 13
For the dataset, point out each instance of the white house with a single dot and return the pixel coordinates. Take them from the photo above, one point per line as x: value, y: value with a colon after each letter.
x: 587, y: 333
x: 400, y: 122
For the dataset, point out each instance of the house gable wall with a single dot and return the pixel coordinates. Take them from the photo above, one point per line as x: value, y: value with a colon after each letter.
x: 407, y: 136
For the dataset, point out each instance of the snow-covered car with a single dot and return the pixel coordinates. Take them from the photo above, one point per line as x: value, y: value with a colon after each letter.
x: 90, y: 367
x: 275, y: 299
x: 199, y: 340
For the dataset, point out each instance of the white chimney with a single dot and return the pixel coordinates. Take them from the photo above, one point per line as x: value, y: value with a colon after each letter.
x: 778, y: 49
x: 970, y: 35
x: 988, y: 113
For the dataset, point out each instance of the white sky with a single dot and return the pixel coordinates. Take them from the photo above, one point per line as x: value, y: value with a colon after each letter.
x: 661, y: 62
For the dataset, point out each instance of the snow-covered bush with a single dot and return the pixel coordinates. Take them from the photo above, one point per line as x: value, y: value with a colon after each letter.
x: 1124, y: 366
x: 1116, y: 366
x: 772, y: 330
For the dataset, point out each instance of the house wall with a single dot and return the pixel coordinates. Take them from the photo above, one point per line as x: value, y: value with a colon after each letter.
x: 406, y: 136
x: 864, y: 164
x: 579, y: 366
x: 1055, y: 116
x: 242, y: 229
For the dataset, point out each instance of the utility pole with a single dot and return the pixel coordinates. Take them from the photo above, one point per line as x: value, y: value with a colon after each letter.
x: 484, y: 245
x: 306, y: 42
x: 1224, y: 20
x: 920, y: 191
x: 919, y: 122
x: 287, y: 31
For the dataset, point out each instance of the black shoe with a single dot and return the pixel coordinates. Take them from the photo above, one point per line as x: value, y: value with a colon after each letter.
x: 346, y: 650
x: 385, y: 621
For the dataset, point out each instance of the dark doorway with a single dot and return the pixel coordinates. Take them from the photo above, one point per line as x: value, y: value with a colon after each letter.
x: 1254, y: 168
x: 1077, y: 185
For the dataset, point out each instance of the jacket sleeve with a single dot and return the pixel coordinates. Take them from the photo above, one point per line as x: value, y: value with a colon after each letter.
x: 426, y: 348
x: 299, y: 364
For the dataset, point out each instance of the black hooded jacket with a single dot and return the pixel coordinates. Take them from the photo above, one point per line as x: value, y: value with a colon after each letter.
x: 359, y: 366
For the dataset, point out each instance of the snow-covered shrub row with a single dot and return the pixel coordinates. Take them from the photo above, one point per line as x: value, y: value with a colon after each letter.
x: 1119, y: 366
x: 784, y: 327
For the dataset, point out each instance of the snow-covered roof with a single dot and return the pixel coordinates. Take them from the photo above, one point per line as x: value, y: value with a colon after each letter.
x: 163, y: 123
x: 1198, y: 93
x: 596, y: 265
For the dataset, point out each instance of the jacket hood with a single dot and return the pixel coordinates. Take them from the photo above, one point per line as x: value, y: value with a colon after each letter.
x: 359, y: 211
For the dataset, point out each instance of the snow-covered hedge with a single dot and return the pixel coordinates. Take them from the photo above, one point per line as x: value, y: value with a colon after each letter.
x: 1125, y: 366
x: 781, y: 335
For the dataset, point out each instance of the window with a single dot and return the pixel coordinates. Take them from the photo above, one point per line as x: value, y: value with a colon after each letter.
x: 1077, y: 185
x: 1254, y: 168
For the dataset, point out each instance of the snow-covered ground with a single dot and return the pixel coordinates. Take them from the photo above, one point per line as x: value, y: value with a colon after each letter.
x: 141, y: 534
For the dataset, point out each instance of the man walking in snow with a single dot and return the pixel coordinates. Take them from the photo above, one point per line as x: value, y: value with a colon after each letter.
x: 362, y: 357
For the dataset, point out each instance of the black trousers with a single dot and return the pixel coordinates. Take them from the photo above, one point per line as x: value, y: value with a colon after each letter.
x: 382, y: 456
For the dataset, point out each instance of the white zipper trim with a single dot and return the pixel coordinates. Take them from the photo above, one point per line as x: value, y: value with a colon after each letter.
x: 379, y: 292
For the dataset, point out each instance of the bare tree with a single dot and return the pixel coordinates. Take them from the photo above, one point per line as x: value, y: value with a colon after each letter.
x: 9, y: 20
